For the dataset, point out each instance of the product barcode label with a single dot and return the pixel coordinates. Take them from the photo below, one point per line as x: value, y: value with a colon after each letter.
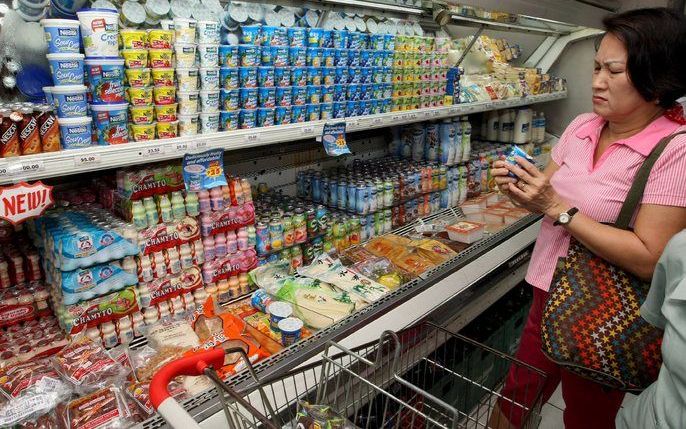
x: 84, y: 160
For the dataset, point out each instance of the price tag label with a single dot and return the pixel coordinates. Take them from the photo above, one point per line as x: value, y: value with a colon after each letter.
x: 413, y: 116
x: 153, y: 151
x: 396, y: 118
x: 377, y: 121
x: 427, y: 114
x: 201, y: 145
x: 252, y: 138
x: 182, y: 147
x: 307, y: 130
x: 4, y: 170
x: 85, y: 160
x: 454, y: 110
x: 27, y: 167
x: 436, y: 113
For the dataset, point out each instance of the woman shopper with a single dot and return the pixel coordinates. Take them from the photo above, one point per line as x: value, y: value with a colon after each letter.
x: 638, y: 75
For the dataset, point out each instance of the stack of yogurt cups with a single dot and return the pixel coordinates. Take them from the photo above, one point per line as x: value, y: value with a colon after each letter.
x: 68, y: 95
x: 105, y: 75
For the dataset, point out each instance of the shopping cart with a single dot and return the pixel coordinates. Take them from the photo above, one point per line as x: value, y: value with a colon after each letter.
x: 421, y: 377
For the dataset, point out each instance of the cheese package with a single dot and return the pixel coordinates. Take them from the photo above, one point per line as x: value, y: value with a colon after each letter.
x: 317, y: 304
x: 466, y: 232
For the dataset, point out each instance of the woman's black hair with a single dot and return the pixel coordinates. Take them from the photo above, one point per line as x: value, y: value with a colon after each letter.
x: 655, y: 40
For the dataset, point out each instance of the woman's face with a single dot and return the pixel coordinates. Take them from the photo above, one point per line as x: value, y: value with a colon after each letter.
x: 614, y: 96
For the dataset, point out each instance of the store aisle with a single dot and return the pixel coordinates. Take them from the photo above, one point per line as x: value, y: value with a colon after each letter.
x: 551, y: 412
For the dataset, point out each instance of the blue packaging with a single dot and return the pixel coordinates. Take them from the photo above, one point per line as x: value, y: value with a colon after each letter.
x: 247, y: 118
x: 297, y: 114
x: 328, y: 75
x: 327, y: 93
x: 338, y: 110
x: 353, y: 58
x: 313, y: 57
x: 356, y: 40
x: 354, y: 92
x: 228, y: 56
x: 228, y: 121
x: 76, y: 133
x: 298, y: 76
x: 249, y: 55
x: 333, y: 192
x: 366, y: 91
x: 297, y: 37
x: 314, y: 75
x: 282, y: 76
x: 282, y: 115
x: 70, y: 100
x: 352, y: 108
x: 341, y: 193
x: 88, y: 283
x: 265, y: 117
x: 251, y: 34
x: 327, y: 39
x: 377, y: 91
x: 62, y: 36
x: 297, y: 57
x: 340, y: 39
x: 361, y: 200
x: 516, y: 151
x: 376, y: 42
x: 283, y: 95
x: 280, y: 56
x: 328, y: 57
x: 389, y: 42
x: 388, y: 58
x: 351, y: 193
x: 280, y: 37
x: 377, y: 75
x: 340, y: 93
x: 247, y: 77
x: 375, y: 107
x: 313, y: 112
x: 110, y: 123
x: 299, y: 96
x: 228, y: 99
x: 377, y: 59
x: 387, y: 75
x: 387, y: 90
x: 314, y: 94
x: 66, y: 69
x: 247, y: 98
x: 266, y: 97
x: 341, y: 75
x: 203, y: 170
x: 266, y: 56
x: 267, y: 35
x: 265, y: 77
x: 366, y: 58
x: 314, y: 37
x: 354, y: 75
x: 366, y: 75
x: 365, y: 108
x: 105, y: 79
x: 228, y: 77
x: 326, y: 111
x: 340, y: 58
x: 386, y: 105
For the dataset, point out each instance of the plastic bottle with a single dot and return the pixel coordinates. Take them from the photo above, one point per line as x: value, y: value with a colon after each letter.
x: 164, y: 309
x: 192, y: 204
x: 541, y: 127
x: 446, y: 149
x: 220, y: 245
x: 247, y: 190
x: 466, y: 138
x: 432, y: 142
x: 176, y: 306
x: 208, y: 245
x: 492, y: 125
x: 165, y: 209
x: 137, y: 322
x: 174, y: 260
x: 125, y: 330
x: 146, y: 268
x: 458, y: 140
x: 186, y: 256
x: 151, y: 315
x: 206, y: 224
x: 199, y: 296
x: 216, y: 199
x: 188, y: 302
x: 94, y: 334
x: 231, y: 242
x: 503, y: 133
x: 238, y: 192
x: 223, y: 291
x: 211, y: 289
x: 418, y: 136
x: 151, y: 211
x: 178, y: 206
x: 199, y: 252
x: 128, y: 264
x: 129, y: 234
x: 244, y: 283
x: 109, y: 335
x: 252, y: 237
x: 521, y: 127
x: 160, y: 266
x: 242, y: 239
x: 204, y: 201
x: 140, y: 219
x: 511, y: 115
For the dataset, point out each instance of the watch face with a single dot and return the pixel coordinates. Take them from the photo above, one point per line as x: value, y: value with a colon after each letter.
x: 564, y: 218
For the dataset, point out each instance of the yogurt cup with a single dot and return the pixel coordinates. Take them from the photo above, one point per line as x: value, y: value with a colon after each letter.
x: 63, y: 36
x: 209, y: 101
x: 105, y: 79
x: 249, y: 55
x: 314, y: 75
x: 297, y: 114
x: 228, y: 121
x: 297, y: 37
x: 185, y: 54
x: 280, y: 56
x: 163, y: 77
x: 184, y: 30
x: 228, y: 56
x: 160, y: 58
x: 266, y: 58
x: 313, y: 57
x: 340, y: 92
x: 247, y: 98
x: 70, y: 101
x: 375, y: 107
x: 340, y: 39
x: 282, y: 76
x: 326, y: 111
x: 327, y: 93
x: 312, y: 112
x: 291, y: 330
x: 142, y: 132
x: 250, y: 34
x: 299, y: 96
x: 208, y: 32
x: 160, y: 39
x: 132, y: 38
x: 99, y: 32
x: 166, y: 112
x: 110, y: 122
x: 167, y: 25
x: 47, y: 92
x: 188, y: 102
x: 138, y: 77
x: 132, y: 14
x: 340, y: 58
x: 135, y: 58
x: 353, y: 58
x: 265, y: 77
x: 352, y: 108
x: 228, y: 99
x: 164, y: 94
x: 66, y: 69
x: 247, y: 77
x: 141, y: 114
x: 209, y: 122
x: 188, y: 125
x: 247, y: 118
x: 297, y: 56
x: 338, y: 110
x: 157, y: 8
x: 283, y: 96
x: 75, y: 132
x: 266, y: 97
x: 229, y: 77
x: 167, y: 130
x: 187, y: 79
x: 314, y: 94
x: 314, y: 37
x: 142, y: 96
x: 265, y: 117
x: 328, y: 75
x: 267, y: 35
x: 209, y: 78
x: 282, y: 115
x: 208, y: 55
x: 298, y: 76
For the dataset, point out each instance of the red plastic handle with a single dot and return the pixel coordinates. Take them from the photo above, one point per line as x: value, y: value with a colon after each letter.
x: 191, y: 365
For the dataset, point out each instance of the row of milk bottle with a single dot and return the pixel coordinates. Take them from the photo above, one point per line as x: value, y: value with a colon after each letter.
x: 446, y: 143
x: 518, y: 126
x: 455, y: 141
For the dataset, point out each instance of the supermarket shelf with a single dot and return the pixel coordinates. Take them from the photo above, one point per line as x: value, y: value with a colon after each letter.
x: 58, y: 164
x: 376, y: 5
x: 400, y: 308
x: 485, y: 24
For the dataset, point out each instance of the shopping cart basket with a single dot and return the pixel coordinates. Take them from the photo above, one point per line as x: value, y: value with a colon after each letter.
x: 421, y: 377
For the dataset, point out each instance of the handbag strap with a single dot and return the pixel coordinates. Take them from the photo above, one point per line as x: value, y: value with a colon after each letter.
x: 635, y: 194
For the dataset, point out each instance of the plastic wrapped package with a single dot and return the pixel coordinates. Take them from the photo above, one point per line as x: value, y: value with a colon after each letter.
x: 312, y: 416
x: 317, y: 304
x: 383, y: 271
x: 103, y: 409
x: 271, y: 276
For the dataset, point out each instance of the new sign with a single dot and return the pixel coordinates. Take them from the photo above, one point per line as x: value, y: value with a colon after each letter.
x: 23, y: 201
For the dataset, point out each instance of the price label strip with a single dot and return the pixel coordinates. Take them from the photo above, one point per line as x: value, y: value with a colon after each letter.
x: 252, y: 138
x: 153, y: 151
x: 86, y: 160
x: 27, y: 167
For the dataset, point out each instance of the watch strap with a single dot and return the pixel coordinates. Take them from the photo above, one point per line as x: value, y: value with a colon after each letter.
x: 571, y: 212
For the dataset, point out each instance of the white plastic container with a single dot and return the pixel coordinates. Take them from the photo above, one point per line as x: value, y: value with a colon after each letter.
x: 188, y: 102
x: 187, y: 79
x: 184, y: 30
x: 209, y: 78
x: 465, y: 231
x: 208, y: 32
x: 208, y: 55
x: 99, y: 32
x: 209, y: 123
x: 185, y: 54
x: 62, y: 35
x: 188, y: 125
x: 209, y: 101
x: 495, y: 216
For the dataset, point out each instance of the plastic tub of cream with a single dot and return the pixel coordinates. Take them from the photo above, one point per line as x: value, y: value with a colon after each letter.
x: 209, y: 122
x: 208, y: 55
x: 99, y: 32
x: 209, y: 78
x: 132, y: 13
x: 208, y: 32
x: 209, y: 101
x: 188, y: 125
x: 188, y: 102
x: 185, y: 54
x: 157, y: 8
x: 184, y: 30
x: 187, y: 79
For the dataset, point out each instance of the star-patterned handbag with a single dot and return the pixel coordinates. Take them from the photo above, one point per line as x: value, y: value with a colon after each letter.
x: 591, y: 323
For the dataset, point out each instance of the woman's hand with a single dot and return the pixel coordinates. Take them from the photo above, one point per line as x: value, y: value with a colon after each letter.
x: 533, y: 190
x: 500, y: 174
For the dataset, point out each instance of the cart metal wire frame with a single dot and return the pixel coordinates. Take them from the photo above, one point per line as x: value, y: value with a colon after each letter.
x: 421, y: 377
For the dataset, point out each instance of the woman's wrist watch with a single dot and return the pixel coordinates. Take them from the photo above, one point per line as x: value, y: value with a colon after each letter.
x: 565, y: 217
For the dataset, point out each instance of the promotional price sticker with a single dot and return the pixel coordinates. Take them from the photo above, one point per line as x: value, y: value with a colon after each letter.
x: 333, y: 138
x: 204, y: 170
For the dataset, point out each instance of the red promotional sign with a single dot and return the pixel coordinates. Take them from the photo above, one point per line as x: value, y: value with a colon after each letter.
x: 23, y: 201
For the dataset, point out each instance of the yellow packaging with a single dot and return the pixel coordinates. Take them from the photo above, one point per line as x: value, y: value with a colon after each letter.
x: 142, y: 132
x: 160, y: 58
x: 165, y: 112
x: 160, y: 39
x: 133, y: 39
x: 164, y: 94
x: 135, y: 58
x: 141, y: 114
x: 163, y: 77
x: 140, y: 96
x: 138, y: 77
x: 167, y: 130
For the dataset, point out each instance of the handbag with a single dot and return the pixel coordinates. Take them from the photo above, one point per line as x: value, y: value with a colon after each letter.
x: 591, y: 323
